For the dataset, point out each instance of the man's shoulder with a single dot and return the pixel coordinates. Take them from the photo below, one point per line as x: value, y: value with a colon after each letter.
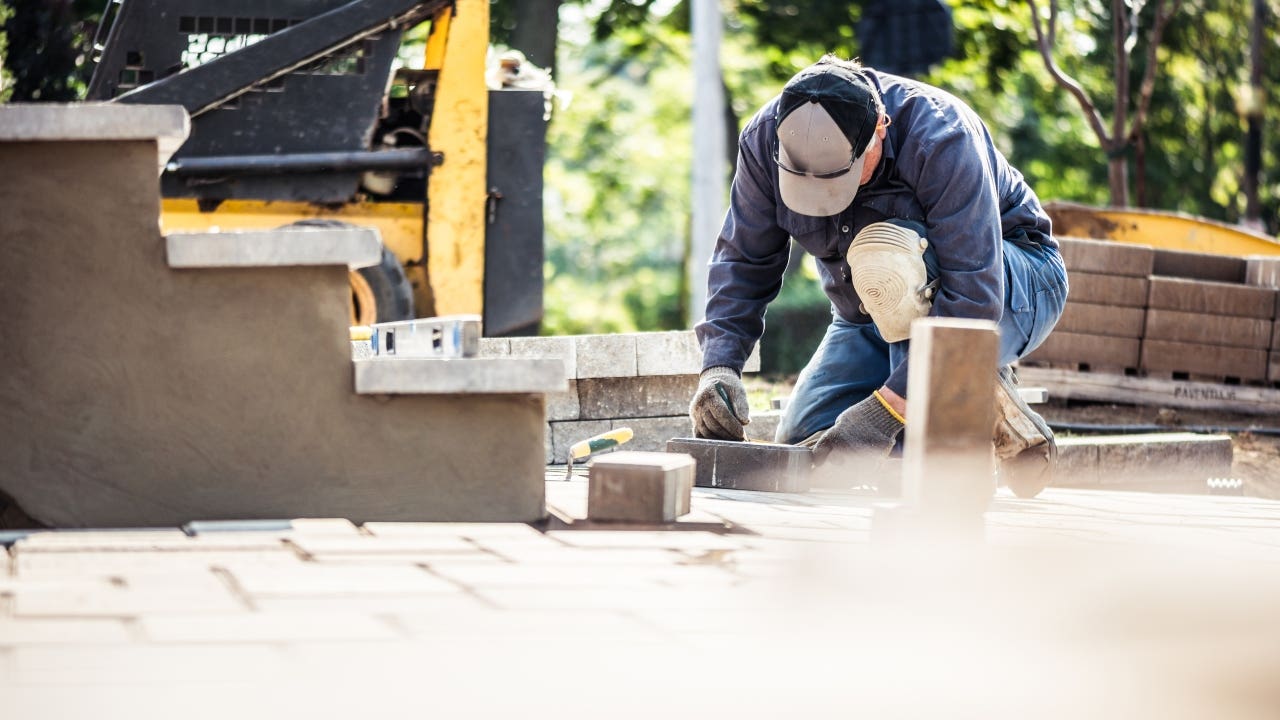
x: 761, y: 123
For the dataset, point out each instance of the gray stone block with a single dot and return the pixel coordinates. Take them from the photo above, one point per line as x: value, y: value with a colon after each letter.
x: 1199, y: 266
x: 1077, y: 464
x: 1161, y: 462
x: 605, y: 356
x: 1192, y: 327
x: 747, y: 465
x: 1262, y: 271
x: 565, y: 434
x: 668, y: 353
x: 563, y: 405
x: 457, y: 376
x: 559, y: 348
x: 1101, y: 289
x: 43, y: 122
x: 1212, y: 360
x: 1097, y: 351
x: 495, y: 347
x: 1105, y: 256
x: 764, y: 425
x: 1273, y: 367
x: 1212, y: 298
x: 652, y: 434
x: 640, y: 487
x: 639, y: 396
x: 1093, y: 319
x: 352, y: 247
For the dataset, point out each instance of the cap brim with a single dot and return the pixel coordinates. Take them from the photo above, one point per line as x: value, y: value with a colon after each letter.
x: 821, y: 198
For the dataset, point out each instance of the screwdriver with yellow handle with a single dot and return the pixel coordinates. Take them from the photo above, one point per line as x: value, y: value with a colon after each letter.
x: 603, y: 441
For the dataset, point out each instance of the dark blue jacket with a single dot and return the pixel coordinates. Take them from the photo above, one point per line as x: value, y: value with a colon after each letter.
x: 939, y: 168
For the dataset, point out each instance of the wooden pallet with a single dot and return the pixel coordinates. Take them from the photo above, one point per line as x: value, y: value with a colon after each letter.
x: 1116, y: 388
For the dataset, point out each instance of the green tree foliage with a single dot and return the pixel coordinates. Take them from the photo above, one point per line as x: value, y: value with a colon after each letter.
x: 48, y: 48
x: 5, y: 78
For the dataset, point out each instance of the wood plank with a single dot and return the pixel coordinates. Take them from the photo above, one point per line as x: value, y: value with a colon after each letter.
x: 1123, y: 389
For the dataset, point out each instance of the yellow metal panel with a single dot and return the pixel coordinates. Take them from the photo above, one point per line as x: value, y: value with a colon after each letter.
x: 434, y: 55
x: 457, y: 191
x: 400, y: 224
x: 1165, y: 230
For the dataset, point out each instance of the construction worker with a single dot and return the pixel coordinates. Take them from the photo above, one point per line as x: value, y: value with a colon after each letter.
x: 898, y: 191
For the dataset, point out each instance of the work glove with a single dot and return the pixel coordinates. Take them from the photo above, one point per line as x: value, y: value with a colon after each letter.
x: 864, y: 434
x: 719, y: 408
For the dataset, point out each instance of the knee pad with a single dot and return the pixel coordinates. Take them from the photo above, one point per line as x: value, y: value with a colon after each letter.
x: 887, y: 267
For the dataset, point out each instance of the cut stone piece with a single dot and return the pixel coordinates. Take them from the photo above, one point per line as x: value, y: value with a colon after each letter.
x: 1273, y: 367
x: 543, y: 348
x: 619, y: 397
x: 1212, y: 360
x: 605, y: 356
x: 1101, y: 289
x: 1082, y: 349
x: 457, y: 376
x: 1199, y: 266
x: 948, y: 466
x: 1262, y: 271
x: 167, y: 125
x: 1160, y: 462
x: 354, y: 247
x: 1204, y: 329
x: 1092, y: 319
x: 1105, y: 256
x: 668, y: 353
x: 736, y: 465
x: 1212, y: 298
x: 640, y: 487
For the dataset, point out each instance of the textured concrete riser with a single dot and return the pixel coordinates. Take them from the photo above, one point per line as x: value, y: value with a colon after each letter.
x: 1199, y: 266
x: 1096, y: 351
x: 1115, y: 290
x: 1092, y: 319
x: 1198, y: 328
x: 1212, y: 298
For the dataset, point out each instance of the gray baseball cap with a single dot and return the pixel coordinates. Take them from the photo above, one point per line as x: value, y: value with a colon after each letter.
x: 824, y: 113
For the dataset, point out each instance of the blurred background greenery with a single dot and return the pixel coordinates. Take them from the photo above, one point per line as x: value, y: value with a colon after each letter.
x: 617, y: 202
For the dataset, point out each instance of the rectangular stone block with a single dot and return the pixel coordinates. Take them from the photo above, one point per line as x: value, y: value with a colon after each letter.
x: 1212, y: 360
x: 1102, y: 289
x: 747, y: 465
x: 495, y: 347
x: 640, y: 487
x: 764, y: 425
x: 1097, y: 351
x: 639, y: 396
x: 1208, y: 329
x: 947, y: 463
x: 565, y: 434
x: 1105, y: 256
x: 604, y: 356
x: 1275, y: 335
x: 668, y: 353
x: 564, y: 405
x: 558, y: 348
x: 1273, y: 367
x: 1077, y: 464
x: 1212, y: 298
x: 1091, y: 319
x: 1199, y: 266
x: 1262, y: 271
x: 652, y: 434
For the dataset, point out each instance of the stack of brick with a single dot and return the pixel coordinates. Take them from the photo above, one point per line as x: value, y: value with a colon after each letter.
x: 643, y: 381
x: 1102, y: 323
x: 1167, y: 313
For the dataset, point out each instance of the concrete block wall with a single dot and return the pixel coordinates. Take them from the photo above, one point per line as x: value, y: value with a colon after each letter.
x: 1137, y: 309
x: 643, y: 381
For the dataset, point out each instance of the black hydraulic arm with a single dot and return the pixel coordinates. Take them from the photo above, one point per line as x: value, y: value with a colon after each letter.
x: 206, y: 86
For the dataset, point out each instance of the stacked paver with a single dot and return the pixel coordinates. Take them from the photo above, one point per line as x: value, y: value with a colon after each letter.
x: 1167, y: 314
x: 643, y: 381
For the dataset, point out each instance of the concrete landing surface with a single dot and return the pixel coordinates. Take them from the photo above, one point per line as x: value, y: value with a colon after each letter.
x: 1078, y: 604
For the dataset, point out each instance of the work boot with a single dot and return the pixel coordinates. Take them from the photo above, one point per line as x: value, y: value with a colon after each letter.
x: 1024, y: 443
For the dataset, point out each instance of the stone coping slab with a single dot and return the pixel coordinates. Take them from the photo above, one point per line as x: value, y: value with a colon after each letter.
x: 353, y: 247
x: 641, y: 354
x: 457, y: 376
x: 169, y: 125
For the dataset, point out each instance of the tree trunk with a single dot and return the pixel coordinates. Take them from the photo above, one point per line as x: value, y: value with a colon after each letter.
x: 535, y: 32
x: 1140, y: 169
x: 1118, y: 180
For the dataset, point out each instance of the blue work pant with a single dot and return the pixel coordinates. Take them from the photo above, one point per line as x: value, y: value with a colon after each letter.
x: 853, y: 360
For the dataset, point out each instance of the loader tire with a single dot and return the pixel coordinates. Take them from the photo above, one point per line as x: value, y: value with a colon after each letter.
x: 379, y: 293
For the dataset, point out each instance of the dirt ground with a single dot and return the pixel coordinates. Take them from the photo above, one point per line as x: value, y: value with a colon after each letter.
x: 1256, y: 457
